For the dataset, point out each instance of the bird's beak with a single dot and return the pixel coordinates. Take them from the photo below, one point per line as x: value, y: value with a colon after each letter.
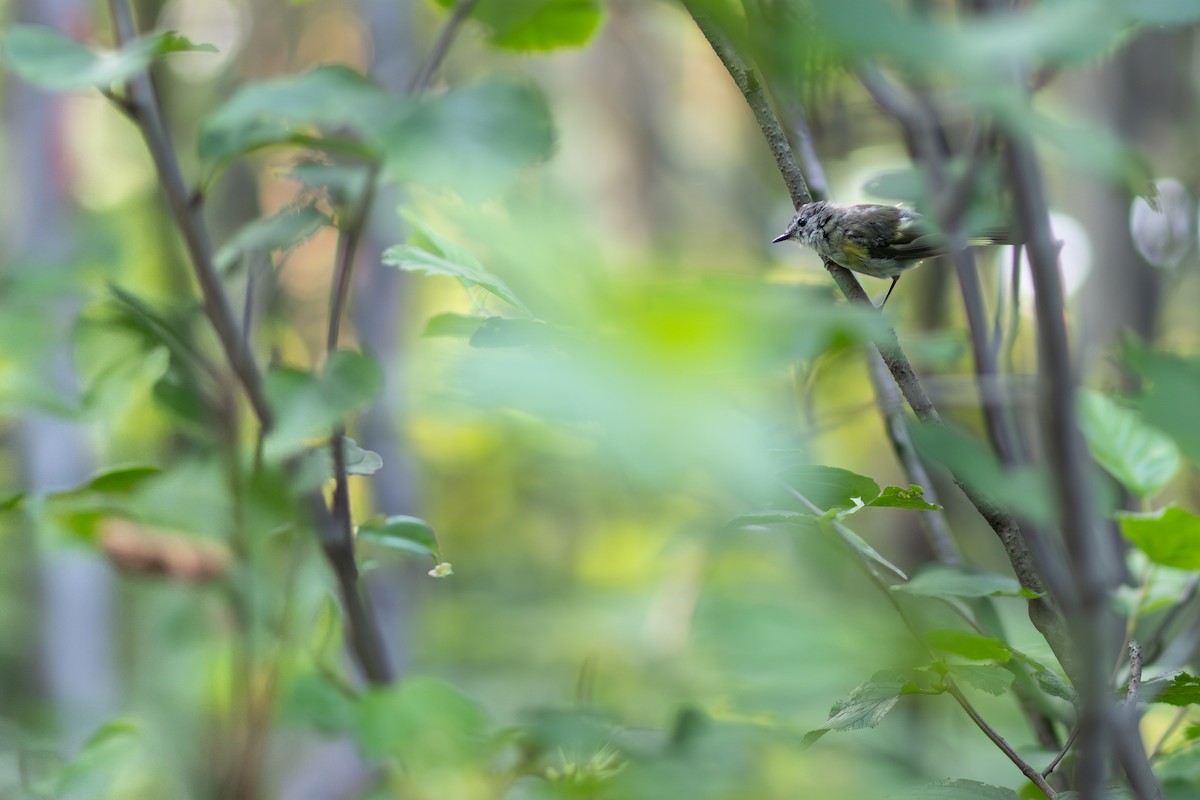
x: 783, y: 237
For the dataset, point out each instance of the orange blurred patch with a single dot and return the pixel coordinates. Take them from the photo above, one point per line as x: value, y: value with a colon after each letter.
x: 141, y: 550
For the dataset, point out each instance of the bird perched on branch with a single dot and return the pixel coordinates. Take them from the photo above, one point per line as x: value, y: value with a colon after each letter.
x: 877, y: 240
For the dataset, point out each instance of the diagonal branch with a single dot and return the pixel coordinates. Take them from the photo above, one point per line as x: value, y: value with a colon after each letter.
x: 142, y: 105
x: 424, y: 76
x: 1041, y: 612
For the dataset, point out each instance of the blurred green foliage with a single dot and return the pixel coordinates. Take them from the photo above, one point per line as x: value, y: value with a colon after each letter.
x: 674, y: 541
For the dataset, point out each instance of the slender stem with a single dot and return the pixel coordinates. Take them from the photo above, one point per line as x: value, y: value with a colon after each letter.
x: 1026, y: 768
x: 1176, y: 721
x: 141, y: 103
x: 424, y: 76
x: 351, y: 233
x: 365, y: 636
x: 941, y: 541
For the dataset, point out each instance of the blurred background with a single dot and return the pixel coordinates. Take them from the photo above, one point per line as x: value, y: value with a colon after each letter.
x: 581, y: 487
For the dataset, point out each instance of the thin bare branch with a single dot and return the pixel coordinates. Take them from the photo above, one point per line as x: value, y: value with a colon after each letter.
x: 140, y: 102
x: 425, y: 75
x: 1035, y: 777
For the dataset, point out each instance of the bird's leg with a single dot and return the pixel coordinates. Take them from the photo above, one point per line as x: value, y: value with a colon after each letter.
x: 889, y: 292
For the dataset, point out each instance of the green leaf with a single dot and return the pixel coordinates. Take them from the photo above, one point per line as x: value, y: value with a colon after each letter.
x: 120, y: 480
x: 1163, y: 12
x: 427, y: 723
x: 1170, y: 384
x: 938, y: 580
x: 359, y: 461
x: 830, y: 488
x: 1183, y: 690
x: 330, y: 107
x: 956, y: 790
x: 475, y: 139
x: 984, y: 677
x: 864, y: 707
x: 968, y: 645
x: 308, y: 406
x: 1052, y: 684
x: 1180, y: 765
x: 1142, y: 458
x: 46, y: 58
x: 764, y: 519
x: 897, y: 497
x: 411, y: 534
x: 1170, y: 536
x: 443, y: 257
x: 313, y: 700
x: 450, y: 325
x: 1025, y: 491
x: 537, y: 24
x: 281, y: 231
x: 860, y: 546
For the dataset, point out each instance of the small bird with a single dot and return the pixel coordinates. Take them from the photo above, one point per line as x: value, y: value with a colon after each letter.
x: 877, y: 240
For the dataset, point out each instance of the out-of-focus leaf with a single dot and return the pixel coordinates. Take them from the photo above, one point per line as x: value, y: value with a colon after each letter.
x: 307, y: 406
x: 956, y: 790
x: 1171, y: 384
x: 295, y: 109
x: 1170, y: 536
x: 860, y: 546
x: 984, y: 677
x: 1143, y: 459
x: 938, y: 580
x: 427, y: 723
x: 444, y: 257
x: 313, y: 700
x: 1025, y: 491
x: 400, y: 532
x: 830, y: 488
x: 358, y: 460
x: 970, y: 645
x: 1052, y: 684
x: 974, y: 50
x: 1183, y: 689
x: 121, y: 479
x: 457, y: 326
x: 537, y: 24
x: 280, y: 231
x: 45, y: 57
x: 1090, y: 149
x: 1163, y: 12
x: 339, y: 180
x: 474, y: 139
x: 764, y: 519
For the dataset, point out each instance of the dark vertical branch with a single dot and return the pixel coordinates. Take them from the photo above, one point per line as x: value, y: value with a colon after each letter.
x: 338, y: 542
x: 1093, y: 562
